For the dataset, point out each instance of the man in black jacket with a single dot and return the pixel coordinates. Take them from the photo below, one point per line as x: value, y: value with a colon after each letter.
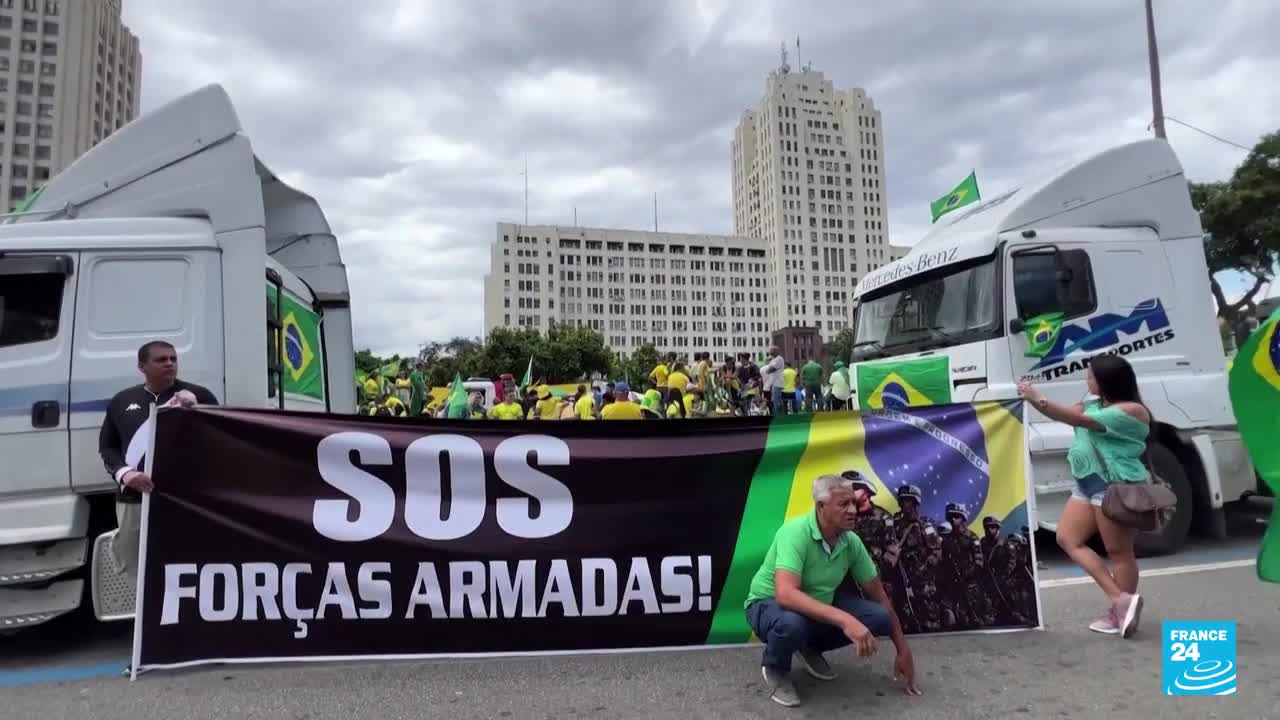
x: 122, y: 446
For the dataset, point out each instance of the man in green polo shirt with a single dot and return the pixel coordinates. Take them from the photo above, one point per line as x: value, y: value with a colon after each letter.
x: 793, y: 606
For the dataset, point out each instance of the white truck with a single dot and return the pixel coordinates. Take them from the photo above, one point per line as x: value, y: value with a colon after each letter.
x: 170, y: 229
x: 1113, y: 244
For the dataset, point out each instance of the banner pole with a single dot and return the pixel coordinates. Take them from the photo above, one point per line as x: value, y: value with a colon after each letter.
x: 141, y: 560
x: 1033, y: 516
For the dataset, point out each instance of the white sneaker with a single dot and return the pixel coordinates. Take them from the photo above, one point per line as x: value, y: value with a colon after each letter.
x: 1128, y: 612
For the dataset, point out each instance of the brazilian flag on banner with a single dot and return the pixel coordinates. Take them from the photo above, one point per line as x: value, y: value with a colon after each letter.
x: 1254, y: 385
x: 904, y: 383
x: 964, y: 193
x: 1042, y: 333
x: 300, y: 358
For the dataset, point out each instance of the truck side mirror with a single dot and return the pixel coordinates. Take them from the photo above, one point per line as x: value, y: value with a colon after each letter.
x: 1016, y: 326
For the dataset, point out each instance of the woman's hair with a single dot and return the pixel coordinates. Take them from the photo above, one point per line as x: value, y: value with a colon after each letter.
x: 677, y: 397
x: 1116, y: 379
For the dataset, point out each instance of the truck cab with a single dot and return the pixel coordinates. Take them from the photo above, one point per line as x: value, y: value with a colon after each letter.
x: 1104, y: 256
x: 171, y: 229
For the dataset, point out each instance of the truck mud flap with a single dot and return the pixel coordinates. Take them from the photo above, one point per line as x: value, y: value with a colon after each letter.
x: 113, y: 590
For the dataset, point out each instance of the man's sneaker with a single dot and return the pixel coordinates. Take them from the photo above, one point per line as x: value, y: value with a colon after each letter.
x: 1128, y: 612
x: 816, y: 665
x: 781, y: 689
x: 1107, y: 624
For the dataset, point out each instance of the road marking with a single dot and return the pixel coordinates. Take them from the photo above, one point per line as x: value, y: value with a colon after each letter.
x: 1157, y: 572
x: 63, y: 673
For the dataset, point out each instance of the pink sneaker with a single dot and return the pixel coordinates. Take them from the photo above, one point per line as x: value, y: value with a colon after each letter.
x: 1128, y: 610
x: 1107, y: 624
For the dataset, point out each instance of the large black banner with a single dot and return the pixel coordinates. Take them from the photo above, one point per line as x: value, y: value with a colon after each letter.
x: 276, y: 535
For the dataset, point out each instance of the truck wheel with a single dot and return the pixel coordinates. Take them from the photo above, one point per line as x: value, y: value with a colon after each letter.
x: 1177, y: 522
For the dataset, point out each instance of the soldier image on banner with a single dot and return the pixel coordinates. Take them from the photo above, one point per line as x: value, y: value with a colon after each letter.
x: 962, y: 558
x: 909, y: 526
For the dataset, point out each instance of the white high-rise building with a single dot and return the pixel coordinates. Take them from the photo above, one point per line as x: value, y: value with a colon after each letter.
x: 70, y: 75
x: 682, y: 293
x: 808, y: 180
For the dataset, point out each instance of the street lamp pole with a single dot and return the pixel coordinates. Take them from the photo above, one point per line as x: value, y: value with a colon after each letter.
x: 1153, y: 58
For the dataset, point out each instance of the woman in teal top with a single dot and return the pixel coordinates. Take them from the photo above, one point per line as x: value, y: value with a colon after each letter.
x: 1111, y: 429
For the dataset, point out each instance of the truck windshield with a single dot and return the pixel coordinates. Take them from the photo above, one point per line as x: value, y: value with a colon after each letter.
x: 938, y: 309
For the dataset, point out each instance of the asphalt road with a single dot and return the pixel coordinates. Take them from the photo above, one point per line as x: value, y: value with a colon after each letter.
x: 1063, y: 671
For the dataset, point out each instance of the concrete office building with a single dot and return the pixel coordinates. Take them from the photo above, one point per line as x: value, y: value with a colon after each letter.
x: 809, y: 181
x: 70, y: 75
x: 683, y: 293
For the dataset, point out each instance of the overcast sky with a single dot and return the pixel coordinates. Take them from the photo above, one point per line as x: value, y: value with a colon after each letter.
x: 410, y: 120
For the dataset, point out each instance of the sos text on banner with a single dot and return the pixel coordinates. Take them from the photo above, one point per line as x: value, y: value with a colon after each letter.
x: 276, y: 535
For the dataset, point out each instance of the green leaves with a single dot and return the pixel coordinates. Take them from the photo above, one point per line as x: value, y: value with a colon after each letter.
x: 1242, y: 219
x: 564, y: 354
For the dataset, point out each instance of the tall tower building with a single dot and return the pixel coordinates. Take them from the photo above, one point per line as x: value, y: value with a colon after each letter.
x: 70, y: 75
x: 808, y: 180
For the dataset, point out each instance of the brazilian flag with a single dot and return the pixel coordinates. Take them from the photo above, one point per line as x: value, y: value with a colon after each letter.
x: 1042, y: 333
x: 300, y: 351
x: 1254, y: 385
x: 904, y: 383
x: 965, y: 193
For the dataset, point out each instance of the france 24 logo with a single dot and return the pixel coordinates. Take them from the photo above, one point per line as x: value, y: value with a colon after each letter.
x: 1199, y: 658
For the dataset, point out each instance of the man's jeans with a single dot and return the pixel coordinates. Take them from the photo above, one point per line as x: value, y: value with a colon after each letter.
x: 812, y: 398
x: 775, y: 399
x: 785, y: 632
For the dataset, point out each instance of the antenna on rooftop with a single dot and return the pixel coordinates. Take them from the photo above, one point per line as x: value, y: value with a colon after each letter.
x: 784, y: 68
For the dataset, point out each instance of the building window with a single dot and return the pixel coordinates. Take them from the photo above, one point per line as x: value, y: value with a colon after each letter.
x: 51, y: 7
x: 44, y: 131
x: 48, y: 69
x: 28, y: 46
x: 29, y: 25
x: 49, y: 48
x: 42, y: 152
x: 51, y: 28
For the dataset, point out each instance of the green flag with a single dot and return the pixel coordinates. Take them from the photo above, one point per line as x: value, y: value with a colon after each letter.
x: 924, y: 381
x: 457, y: 401
x: 1254, y: 384
x: 1042, y: 332
x: 528, y: 377
x: 300, y: 360
x: 966, y: 192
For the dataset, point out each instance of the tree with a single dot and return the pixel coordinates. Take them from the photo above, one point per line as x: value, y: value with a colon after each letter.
x: 1242, y: 220
x: 367, y: 362
x: 637, y: 366
x: 841, y: 346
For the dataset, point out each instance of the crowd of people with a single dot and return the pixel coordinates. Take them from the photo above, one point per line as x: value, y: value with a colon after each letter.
x: 674, y: 389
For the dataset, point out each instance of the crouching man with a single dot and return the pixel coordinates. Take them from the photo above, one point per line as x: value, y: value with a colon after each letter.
x: 793, y: 606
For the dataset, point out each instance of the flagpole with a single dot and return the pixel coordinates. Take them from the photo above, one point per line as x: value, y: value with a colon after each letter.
x: 526, y: 188
x: 1153, y: 61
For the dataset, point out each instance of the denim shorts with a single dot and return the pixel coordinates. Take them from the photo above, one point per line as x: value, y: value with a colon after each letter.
x: 1090, y: 488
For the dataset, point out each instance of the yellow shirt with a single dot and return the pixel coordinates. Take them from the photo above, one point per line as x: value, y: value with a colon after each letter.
x: 659, y: 374
x: 371, y: 388
x: 622, y: 411
x: 678, y: 380
x: 585, y: 407
x: 673, y: 411
x: 506, y: 411
x: 394, y: 405
x: 788, y: 380
x: 548, y: 409
x: 688, y: 404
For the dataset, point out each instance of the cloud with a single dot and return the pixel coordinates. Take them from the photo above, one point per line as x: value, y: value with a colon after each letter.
x: 411, y: 120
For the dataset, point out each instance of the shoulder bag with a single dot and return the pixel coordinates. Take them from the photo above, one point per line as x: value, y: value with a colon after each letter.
x: 1136, y: 504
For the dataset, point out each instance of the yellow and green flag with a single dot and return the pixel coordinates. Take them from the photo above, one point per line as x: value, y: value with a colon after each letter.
x: 1254, y: 385
x: 904, y: 383
x: 963, y: 194
x: 300, y: 346
x: 1042, y: 333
